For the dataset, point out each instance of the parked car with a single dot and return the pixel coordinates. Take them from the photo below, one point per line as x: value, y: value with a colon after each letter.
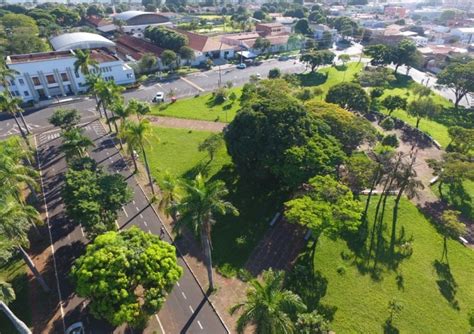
x: 283, y: 58
x: 76, y: 328
x: 159, y: 97
x: 258, y: 75
x: 241, y: 66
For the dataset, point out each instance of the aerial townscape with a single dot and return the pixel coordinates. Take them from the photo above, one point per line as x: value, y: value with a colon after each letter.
x: 237, y: 166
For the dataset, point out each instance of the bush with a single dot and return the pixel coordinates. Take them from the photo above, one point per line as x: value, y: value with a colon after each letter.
x: 305, y: 94
x: 387, y: 124
x: 226, y: 270
x: 376, y: 92
x: 219, y: 95
x: 390, y: 140
x: 274, y: 73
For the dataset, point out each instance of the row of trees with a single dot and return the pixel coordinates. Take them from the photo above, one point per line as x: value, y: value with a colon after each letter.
x: 404, y: 53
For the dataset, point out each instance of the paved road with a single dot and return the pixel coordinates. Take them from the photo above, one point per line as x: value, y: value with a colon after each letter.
x: 189, y: 86
x: 186, y: 309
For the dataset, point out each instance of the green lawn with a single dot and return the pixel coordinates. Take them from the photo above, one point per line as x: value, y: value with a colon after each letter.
x: 201, y: 108
x: 176, y: 151
x: 436, y: 297
x: 233, y: 237
x: 335, y: 75
x: 15, y: 273
x: 461, y: 198
x: 435, y: 129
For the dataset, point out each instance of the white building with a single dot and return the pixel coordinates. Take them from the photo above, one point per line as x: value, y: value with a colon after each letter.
x: 80, y: 40
x: 51, y: 74
x: 465, y: 35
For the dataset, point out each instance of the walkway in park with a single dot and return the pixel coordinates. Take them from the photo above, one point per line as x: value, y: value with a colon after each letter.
x: 191, y: 124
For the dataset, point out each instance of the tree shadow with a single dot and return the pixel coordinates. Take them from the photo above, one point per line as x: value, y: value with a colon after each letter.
x: 460, y: 199
x: 311, y: 78
x: 389, y: 328
x: 446, y: 283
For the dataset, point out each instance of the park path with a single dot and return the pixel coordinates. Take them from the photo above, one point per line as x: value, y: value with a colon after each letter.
x: 191, y: 124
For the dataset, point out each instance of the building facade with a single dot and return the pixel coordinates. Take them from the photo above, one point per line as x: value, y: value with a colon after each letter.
x: 45, y: 75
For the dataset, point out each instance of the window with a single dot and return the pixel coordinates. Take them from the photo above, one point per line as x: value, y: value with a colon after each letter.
x: 17, y: 93
x: 50, y: 78
x: 21, y: 81
x: 26, y: 93
x: 36, y: 81
x: 64, y: 77
x: 77, y: 74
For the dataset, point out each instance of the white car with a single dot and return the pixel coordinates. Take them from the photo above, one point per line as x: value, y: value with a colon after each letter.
x: 159, y: 97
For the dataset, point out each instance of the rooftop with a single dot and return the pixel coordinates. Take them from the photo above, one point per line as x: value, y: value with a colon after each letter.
x: 79, y: 40
x: 136, y: 47
x: 32, y: 57
x: 203, y: 43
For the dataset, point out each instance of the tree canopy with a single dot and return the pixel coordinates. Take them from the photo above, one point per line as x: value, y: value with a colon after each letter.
x: 126, y: 276
x: 326, y: 207
x: 350, y: 96
x: 459, y: 78
x: 317, y: 58
x: 166, y: 38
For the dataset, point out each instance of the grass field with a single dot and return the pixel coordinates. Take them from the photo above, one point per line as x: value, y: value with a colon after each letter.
x: 461, y: 199
x: 201, y: 108
x: 176, y: 151
x: 436, y: 297
x: 15, y: 273
x: 234, y: 237
x: 335, y: 75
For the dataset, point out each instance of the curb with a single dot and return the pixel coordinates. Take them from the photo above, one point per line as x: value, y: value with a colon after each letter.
x: 171, y: 238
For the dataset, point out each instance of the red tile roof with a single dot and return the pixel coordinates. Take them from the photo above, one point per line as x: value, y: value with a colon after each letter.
x: 203, y: 43
x: 97, y: 21
x: 136, y: 47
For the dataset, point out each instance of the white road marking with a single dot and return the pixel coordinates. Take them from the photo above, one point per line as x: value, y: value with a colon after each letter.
x: 116, y: 223
x: 192, y: 311
x: 149, y: 231
x: 159, y: 323
x: 69, y: 237
x: 137, y: 208
x: 200, y: 326
x: 141, y: 216
x: 124, y: 211
x: 177, y: 283
x: 133, y: 202
x: 184, y: 296
x: 146, y: 224
x: 82, y: 230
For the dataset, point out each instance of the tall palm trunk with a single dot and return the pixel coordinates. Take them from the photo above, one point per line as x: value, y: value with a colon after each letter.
x: 206, y: 247
x: 24, y: 123
x: 106, y: 116
x: 33, y: 269
x: 148, y: 170
x: 134, y: 162
x: 17, y: 323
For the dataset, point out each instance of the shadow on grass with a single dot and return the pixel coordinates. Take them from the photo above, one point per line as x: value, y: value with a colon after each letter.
x: 389, y: 328
x: 20, y: 306
x: 312, y: 78
x: 452, y: 116
x: 310, y: 284
x: 446, y: 283
x: 458, y: 197
x: 234, y: 237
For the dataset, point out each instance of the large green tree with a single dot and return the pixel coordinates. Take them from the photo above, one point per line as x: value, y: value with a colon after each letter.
x: 326, y: 207
x: 66, y: 119
x: 424, y: 107
x: 459, y: 78
x: 350, y: 96
x: 317, y: 58
x: 75, y: 143
x: 269, y: 307
x: 84, y: 62
x: 126, y: 276
x: 198, y: 207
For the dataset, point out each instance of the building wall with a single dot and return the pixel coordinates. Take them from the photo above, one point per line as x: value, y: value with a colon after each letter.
x: 40, y: 80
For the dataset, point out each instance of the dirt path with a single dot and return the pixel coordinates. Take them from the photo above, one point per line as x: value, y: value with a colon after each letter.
x: 191, y: 124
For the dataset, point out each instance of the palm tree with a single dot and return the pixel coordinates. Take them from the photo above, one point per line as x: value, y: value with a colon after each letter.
x: 137, y: 135
x: 10, y: 105
x: 15, y: 221
x: 91, y: 82
x: 6, y: 75
x: 197, y: 209
x: 109, y: 93
x: 75, y: 144
x: 13, y: 174
x: 120, y: 112
x: 84, y: 62
x: 7, y: 295
x: 169, y: 187
x: 269, y: 307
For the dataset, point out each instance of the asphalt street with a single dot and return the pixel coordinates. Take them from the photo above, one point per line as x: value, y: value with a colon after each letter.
x: 191, y: 85
x: 186, y: 309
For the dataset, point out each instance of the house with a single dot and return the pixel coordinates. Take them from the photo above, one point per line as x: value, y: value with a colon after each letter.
x: 207, y: 47
x: 44, y: 75
x: 319, y: 30
x: 135, y: 22
x: 395, y: 12
x: 104, y: 25
x: 465, y: 35
x: 131, y: 48
x: 435, y: 56
x: 276, y: 33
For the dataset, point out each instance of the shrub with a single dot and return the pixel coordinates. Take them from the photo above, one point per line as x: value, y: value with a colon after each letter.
x: 274, y: 73
x: 388, y: 124
x: 376, y: 92
x: 390, y: 140
x: 219, y: 95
